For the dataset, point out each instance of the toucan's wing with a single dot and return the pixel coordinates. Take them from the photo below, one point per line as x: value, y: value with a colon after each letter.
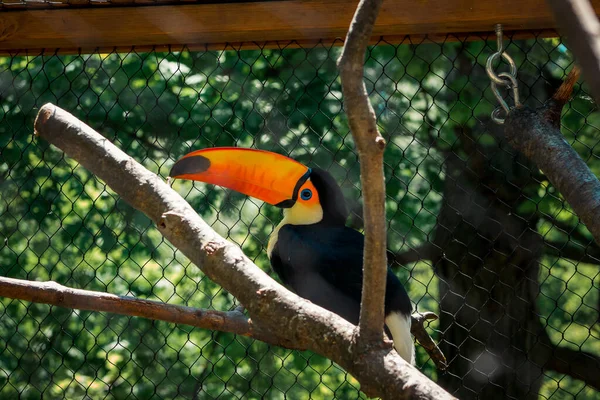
x: 323, y: 265
x: 335, y: 255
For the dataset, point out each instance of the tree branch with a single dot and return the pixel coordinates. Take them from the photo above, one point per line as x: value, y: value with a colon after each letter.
x: 568, y: 229
x: 536, y: 134
x: 573, y: 251
x: 577, y: 20
x: 426, y: 251
x: 62, y: 296
x: 577, y: 247
x: 417, y: 328
x: 380, y: 370
x: 576, y: 363
x: 370, y: 145
x: 235, y: 321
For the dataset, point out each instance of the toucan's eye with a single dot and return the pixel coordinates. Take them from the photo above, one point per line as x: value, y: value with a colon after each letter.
x: 306, y: 194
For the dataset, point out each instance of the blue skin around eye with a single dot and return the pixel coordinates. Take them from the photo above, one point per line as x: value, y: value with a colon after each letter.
x: 306, y: 194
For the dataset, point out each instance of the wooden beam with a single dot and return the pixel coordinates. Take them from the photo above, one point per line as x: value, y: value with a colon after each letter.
x: 199, y: 25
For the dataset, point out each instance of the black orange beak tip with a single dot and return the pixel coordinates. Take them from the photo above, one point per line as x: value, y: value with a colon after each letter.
x: 188, y: 165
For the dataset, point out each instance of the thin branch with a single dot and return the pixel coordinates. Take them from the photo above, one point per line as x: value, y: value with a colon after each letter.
x: 417, y: 328
x: 576, y: 363
x: 62, y: 296
x: 536, y: 134
x: 381, y: 371
x: 370, y: 145
x: 570, y: 230
x: 573, y: 251
x: 235, y: 321
x: 577, y: 20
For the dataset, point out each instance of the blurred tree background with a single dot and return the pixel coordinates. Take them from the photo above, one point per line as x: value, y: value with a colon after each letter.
x: 483, y: 238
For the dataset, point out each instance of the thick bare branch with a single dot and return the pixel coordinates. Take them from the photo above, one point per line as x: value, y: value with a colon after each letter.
x: 577, y: 20
x: 370, y: 145
x: 380, y: 370
x: 62, y: 296
x: 536, y: 134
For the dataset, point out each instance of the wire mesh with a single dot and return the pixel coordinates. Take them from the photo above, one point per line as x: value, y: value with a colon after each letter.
x: 478, y: 234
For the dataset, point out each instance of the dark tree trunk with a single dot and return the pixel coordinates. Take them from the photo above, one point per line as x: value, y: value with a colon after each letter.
x: 489, y: 272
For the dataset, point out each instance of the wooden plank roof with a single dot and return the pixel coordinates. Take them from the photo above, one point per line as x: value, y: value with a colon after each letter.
x: 72, y: 25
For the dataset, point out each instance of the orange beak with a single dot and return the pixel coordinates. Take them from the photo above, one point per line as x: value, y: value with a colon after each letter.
x: 267, y: 176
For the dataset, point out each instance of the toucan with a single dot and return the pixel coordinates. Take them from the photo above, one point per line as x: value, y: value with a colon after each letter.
x: 312, y: 250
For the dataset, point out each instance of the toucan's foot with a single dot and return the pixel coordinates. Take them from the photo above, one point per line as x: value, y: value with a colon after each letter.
x: 388, y: 343
x: 211, y: 248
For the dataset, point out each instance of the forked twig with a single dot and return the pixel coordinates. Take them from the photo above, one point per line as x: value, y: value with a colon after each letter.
x: 417, y: 328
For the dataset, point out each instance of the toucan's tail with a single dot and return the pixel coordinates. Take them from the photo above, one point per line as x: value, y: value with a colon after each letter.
x: 399, y: 326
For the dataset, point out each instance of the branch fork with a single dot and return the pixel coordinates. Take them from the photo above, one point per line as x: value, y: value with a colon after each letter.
x: 279, y: 317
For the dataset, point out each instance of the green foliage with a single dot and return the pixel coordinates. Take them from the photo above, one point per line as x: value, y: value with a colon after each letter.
x: 59, y: 222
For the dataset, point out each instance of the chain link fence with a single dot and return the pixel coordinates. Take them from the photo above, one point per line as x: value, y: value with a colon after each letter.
x: 478, y: 234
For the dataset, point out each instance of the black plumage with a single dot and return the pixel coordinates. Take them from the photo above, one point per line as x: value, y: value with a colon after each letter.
x: 322, y: 262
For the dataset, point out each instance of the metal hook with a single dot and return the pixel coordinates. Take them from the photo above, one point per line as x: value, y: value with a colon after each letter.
x: 489, y: 66
x: 490, y: 69
x: 499, y: 41
x: 507, y: 79
x: 512, y: 84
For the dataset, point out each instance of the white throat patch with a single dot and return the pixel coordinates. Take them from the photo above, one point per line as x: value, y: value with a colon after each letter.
x: 299, y: 214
